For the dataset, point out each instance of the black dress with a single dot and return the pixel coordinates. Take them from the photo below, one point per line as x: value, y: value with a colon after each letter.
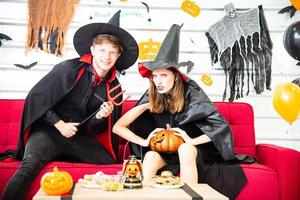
x: 225, y: 177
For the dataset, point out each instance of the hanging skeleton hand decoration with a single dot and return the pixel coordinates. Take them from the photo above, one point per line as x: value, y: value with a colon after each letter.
x: 240, y: 41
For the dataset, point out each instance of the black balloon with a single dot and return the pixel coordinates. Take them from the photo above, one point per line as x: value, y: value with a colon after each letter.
x: 291, y: 40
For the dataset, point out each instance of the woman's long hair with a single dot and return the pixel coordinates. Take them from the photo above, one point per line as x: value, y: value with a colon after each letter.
x: 173, y: 101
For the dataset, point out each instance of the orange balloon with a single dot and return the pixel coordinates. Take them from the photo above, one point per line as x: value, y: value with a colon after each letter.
x: 286, y: 101
x: 296, y: 4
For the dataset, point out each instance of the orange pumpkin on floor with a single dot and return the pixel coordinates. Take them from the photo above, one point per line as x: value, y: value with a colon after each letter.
x: 56, y: 182
x: 166, y: 142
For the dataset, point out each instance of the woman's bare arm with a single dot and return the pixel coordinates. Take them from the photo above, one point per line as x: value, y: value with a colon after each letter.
x: 121, y: 126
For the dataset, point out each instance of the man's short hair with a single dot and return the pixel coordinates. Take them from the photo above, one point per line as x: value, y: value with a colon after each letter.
x: 101, y: 38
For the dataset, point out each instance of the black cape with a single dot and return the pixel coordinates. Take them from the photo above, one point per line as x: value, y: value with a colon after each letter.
x: 223, y: 174
x: 49, y: 90
x: 198, y: 109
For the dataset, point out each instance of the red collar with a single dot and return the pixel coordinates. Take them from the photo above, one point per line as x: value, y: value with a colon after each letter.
x: 87, y: 58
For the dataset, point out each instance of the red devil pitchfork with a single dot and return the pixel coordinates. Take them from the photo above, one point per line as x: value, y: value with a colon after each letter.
x: 110, y: 99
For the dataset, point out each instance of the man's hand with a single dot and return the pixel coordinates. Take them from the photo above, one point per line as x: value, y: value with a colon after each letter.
x: 105, y: 109
x: 66, y: 129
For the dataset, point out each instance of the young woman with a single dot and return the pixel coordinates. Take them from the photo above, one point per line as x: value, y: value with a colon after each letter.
x: 173, y: 101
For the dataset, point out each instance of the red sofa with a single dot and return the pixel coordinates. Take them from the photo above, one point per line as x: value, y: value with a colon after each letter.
x: 275, y: 176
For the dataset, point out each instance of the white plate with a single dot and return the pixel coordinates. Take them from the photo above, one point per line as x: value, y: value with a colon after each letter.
x: 92, y: 186
x: 167, y: 186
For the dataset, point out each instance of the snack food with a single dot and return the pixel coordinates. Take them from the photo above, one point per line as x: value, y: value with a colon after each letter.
x: 166, y: 173
x: 101, y: 180
x: 112, y: 186
x: 166, y: 179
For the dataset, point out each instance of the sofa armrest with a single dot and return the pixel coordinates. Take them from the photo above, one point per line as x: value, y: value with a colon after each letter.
x: 287, y: 163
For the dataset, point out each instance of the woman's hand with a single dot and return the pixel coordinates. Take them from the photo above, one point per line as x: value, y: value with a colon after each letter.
x: 146, y: 142
x: 105, y: 109
x: 182, y: 134
x: 66, y: 129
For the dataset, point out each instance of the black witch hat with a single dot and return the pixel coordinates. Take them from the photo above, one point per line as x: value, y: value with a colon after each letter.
x: 84, y: 36
x: 167, y: 55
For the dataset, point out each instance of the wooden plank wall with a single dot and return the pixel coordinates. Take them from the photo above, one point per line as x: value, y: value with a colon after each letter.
x: 270, y: 127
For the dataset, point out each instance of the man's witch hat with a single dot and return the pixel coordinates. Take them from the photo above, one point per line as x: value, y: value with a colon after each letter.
x: 84, y: 36
x: 167, y: 55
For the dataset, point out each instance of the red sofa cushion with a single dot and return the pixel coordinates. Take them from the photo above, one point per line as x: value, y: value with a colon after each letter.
x: 10, y: 117
x: 262, y: 183
x: 240, y: 116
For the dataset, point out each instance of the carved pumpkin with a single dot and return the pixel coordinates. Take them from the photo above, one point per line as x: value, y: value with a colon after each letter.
x: 165, y: 141
x: 132, y: 169
x: 148, y: 49
x: 56, y: 182
x: 190, y: 8
x: 206, y: 79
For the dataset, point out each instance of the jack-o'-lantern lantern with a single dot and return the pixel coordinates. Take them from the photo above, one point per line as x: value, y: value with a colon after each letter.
x: 132, y: 170
x: 206, y: 79
x: 165, y: 141
x: 56, y: 182
x: 148, y: 49
x: 190, y: 8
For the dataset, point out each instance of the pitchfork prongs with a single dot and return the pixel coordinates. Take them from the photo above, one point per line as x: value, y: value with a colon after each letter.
x: 113, y: 99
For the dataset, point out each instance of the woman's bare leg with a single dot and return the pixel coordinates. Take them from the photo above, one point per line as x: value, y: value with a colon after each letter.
x: 152, y: 162
x: 188, y: 168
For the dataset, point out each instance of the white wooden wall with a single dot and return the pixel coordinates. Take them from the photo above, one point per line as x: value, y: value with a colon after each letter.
x: 270, y: 127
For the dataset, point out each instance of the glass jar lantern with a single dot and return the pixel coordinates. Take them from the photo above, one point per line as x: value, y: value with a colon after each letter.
x: 132, y: 170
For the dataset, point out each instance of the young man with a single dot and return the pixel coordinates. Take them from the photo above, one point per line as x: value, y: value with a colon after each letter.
x: 71, y: 92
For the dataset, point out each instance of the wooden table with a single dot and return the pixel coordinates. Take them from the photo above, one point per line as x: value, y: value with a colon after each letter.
x: 147, y: 193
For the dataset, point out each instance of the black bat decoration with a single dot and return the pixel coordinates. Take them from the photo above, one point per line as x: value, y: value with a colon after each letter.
x: 289, y: 9
x: 4, y: 37
x: 26, y: 66
x: 148, y: 9
x: 192, y: 41
x: 189, y: 65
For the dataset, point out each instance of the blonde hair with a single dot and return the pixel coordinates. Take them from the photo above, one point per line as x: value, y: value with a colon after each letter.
x: 173, y: 101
